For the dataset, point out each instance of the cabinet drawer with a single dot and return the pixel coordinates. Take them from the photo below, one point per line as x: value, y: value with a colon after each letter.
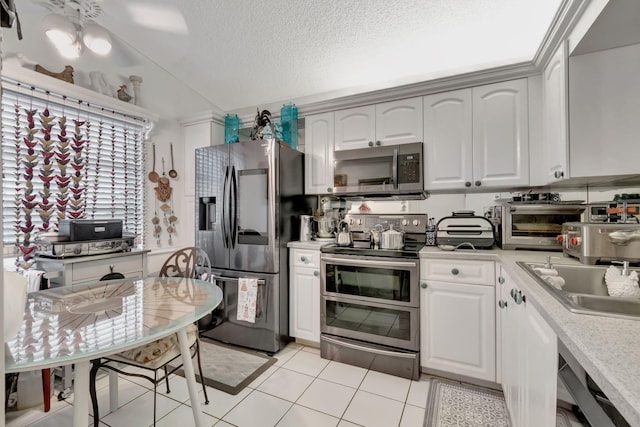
x: 94, y: 270
x: 458, y: 271
x: 305, y: 258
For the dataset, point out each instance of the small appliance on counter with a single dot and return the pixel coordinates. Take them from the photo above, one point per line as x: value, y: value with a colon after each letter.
x: 594, y: 243
x: 625, y: 208
x: 306, y: 228
x: 83, y: 237
x: 532, y: 224
x: 465, y: 227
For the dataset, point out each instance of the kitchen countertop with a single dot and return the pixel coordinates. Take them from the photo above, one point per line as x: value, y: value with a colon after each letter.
x: 606, y: 347
x: 311, y: 244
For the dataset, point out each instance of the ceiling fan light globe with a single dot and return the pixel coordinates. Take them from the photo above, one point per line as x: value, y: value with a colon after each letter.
x: 70, y: 51
x: 96, y: 39
x: 59, y: 29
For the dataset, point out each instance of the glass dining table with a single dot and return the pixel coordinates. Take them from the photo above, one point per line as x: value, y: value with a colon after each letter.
x: 76, y: 324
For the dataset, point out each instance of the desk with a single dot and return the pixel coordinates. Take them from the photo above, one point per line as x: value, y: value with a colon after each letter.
x: 79, y: 323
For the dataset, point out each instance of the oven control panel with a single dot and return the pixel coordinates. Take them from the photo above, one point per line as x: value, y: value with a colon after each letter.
x: 409, y: 223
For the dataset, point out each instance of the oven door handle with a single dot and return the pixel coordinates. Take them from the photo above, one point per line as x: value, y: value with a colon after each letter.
x: 368, y: 349
x: 368, y: 262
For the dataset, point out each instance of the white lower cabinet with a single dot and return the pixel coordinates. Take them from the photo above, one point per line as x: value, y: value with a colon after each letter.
x: 457, y: 317
x: 304, y: 294
x: 529, y: 357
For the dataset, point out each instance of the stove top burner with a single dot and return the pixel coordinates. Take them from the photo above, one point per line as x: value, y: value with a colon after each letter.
x: 410, y: 250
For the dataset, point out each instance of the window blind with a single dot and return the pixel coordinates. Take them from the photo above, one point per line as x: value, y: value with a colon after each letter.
x: 66, y: 159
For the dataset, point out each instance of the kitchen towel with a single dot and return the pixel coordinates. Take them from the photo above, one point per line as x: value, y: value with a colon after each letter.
x: 555, y: 281
x: 34, y: 278
x: 247, y: 296
x: 546, y: 271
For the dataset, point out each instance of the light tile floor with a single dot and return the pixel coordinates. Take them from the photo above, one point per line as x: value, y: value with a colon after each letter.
x: 299, y: 390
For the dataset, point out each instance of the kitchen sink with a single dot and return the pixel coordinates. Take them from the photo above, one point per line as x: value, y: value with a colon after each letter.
x: 585, y: 291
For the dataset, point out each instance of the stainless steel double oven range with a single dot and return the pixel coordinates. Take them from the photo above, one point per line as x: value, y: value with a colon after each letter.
x: 370, y: 299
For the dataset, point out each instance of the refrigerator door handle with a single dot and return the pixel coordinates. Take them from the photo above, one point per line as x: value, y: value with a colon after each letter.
x: 234, y: 217
x: 232, y: 279
x: 225, y: 229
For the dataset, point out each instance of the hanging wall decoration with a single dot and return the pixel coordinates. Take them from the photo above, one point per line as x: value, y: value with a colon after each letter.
x: 29, y: 202
x: 62, y: 158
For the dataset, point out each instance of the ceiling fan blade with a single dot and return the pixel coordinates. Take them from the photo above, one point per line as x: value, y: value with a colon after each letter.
x: 158, y: 15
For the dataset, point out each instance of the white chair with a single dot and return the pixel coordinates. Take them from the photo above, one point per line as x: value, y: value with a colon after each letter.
x: 15, y: 300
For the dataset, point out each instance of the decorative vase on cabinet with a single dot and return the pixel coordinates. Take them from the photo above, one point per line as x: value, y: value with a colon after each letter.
x: 289, y: 119
x: 231, y: 128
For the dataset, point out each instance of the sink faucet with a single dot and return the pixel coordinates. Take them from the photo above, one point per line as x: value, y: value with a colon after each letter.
x: 625, y: 267
x: 548, y: 263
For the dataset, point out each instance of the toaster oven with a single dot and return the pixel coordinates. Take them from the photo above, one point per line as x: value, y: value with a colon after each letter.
x: 524, y: 225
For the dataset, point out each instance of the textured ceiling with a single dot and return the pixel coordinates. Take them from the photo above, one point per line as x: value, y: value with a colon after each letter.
x: 235, y: 54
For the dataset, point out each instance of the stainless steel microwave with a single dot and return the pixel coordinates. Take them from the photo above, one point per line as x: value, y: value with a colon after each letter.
x: 391, y: 171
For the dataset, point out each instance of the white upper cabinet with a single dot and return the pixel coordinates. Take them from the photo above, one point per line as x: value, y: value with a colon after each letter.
x: 448, y: 140
x: 194, y: 135
x: 394, y: 122
x: 355, y: 128
x: 318, y: 158
x: 604, y: 112
x: 477, y: 137
x: 555, y: 140
x: 399, y: 122
x: 501, y: 134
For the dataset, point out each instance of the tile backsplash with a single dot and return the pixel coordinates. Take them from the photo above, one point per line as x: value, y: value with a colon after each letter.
x: 441, y: 205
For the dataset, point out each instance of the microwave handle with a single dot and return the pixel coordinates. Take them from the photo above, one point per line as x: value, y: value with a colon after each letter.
x: 395, y: 168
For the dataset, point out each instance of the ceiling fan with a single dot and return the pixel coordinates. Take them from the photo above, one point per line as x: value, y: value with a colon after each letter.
x: 73, y: 25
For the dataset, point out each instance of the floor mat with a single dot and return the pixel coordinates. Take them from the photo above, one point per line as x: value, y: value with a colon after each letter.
x: 228, y: 368
x: 451, y: 404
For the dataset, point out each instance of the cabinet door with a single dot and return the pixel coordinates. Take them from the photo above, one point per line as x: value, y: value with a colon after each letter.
x: 194, y: 136
x: 501, y: 134
x: 399, y: 122
x: 318, y: 158
x: 448, y: 139
x: 355, y: 128
x: 604, y: 107
x: 529, y: 360
x: 540, y: 382
x: 304, y: 305
x: 555, y: 142
x: 511, y: 339
x: 458, y: 329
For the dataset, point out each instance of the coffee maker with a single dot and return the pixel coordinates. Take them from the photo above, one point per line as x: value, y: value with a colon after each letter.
x: 306, y: 228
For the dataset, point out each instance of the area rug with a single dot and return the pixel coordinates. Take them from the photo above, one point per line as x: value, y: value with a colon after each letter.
x: 227, y: 368
x: 452, y: 404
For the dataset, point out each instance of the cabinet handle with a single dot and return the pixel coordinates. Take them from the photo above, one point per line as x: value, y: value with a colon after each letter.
x: 501, y: 280
x: 513, y: 293
x: 316, y: 273
x: 378, y: 143
x: 502, y: 304
x: 455, y: 271
x: 558, y: 174
x: 303, y: 259
x: 467, y: 184
x: 329, y: 190
x: 370, y: 143
x: 423, y: 285
x: 518, y: 297
x: 478, y: 183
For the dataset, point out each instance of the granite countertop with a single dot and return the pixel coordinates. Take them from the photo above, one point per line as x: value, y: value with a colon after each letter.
x: 606, y: 347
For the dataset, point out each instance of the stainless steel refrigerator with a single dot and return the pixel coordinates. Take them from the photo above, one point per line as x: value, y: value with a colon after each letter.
x: 250, y: 198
